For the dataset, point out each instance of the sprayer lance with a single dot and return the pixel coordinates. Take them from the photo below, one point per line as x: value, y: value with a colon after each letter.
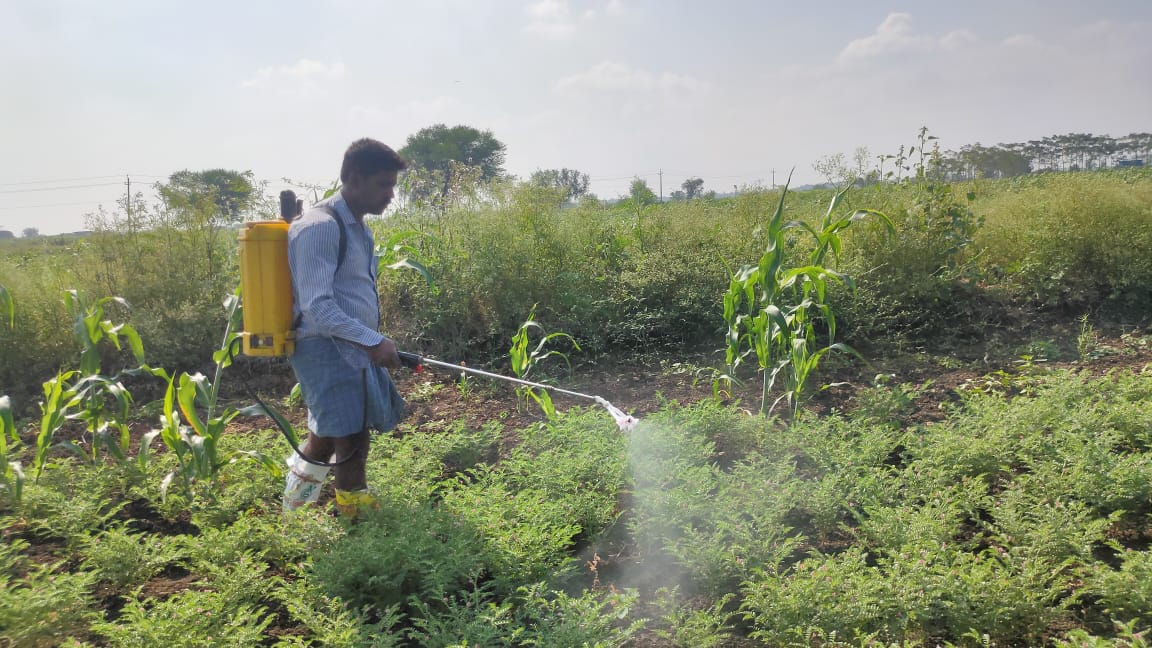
x: 412, y: 360
x: 626, y: 422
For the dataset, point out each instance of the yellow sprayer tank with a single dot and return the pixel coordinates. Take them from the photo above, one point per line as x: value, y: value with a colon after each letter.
x: 266, y: 285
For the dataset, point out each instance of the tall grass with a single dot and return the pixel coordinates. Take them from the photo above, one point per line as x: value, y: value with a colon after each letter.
x: 623, y: 280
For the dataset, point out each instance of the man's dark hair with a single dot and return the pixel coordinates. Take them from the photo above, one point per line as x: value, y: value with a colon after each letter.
x: 368, y: 157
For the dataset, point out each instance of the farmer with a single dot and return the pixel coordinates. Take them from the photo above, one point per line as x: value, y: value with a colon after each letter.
x: 341, y: 360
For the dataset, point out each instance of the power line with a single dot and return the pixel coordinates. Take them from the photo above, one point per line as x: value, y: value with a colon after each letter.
x: 90, y: 203
x: 31, y: 182
x: 103, y: 184
x: 105, y: 177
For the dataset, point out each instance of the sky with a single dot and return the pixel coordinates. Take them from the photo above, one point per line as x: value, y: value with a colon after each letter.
x: 735, y: 92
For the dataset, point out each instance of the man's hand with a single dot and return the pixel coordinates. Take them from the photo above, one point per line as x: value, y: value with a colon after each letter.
x: 384, y: 354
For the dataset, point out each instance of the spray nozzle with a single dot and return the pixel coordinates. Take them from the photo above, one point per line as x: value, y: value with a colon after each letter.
x: 626, y: 422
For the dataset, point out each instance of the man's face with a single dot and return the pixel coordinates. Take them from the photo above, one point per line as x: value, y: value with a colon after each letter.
x: 372, y: 193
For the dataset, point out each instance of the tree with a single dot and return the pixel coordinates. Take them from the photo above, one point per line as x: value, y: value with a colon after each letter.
x: 218, y: 195
x: 640, y: 193
x: 572, y: 182
x: 434, y: 148
x: 31, y: 232
x: 692, y: 188
x: 834, y: 168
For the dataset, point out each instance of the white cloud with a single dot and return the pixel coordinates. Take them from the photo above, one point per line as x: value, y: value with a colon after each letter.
x: 893, y: 35
x: 556, y: 20
x: 611, y: 76
x: 550, y: 19
x: 304, y: 72
x: 432, y: 109
x: 896, y: 36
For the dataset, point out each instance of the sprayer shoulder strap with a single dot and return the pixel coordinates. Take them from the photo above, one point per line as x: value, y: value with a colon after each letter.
x: 342, y: 250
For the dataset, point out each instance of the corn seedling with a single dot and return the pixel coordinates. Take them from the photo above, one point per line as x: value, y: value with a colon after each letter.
x: 89, y: 328
x: 87, y: 399
x: 195, y: 439
x: 7, y: 307
x: 11, y: 474
x: 59, y: 399
x: 396, y: 254
x: 772, y: 311
x: 524, y: 359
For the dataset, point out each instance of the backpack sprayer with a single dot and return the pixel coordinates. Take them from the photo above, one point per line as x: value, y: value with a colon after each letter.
x: 269, y: 330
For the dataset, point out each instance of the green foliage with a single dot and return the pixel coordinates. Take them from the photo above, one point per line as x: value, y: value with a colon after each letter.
x: 773, y: 310
x: 1126, y: 593
x: 571, y: 184
x: 123, y: 559
x: 591, y: 619
x: 216, y: 195
x: 196, y: 445
x: 1077, y: 244
x: 11, y: 472
x: 40, y: 605
x: 7, y: 307
x: 712, y: 627
x: 226, y: 607
x: 435, y: 147
x: 523, y: 359
x: 332, y: 624
x: 399, y: 555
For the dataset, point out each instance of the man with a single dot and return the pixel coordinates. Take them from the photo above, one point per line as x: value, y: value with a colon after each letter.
x: 341, y: 358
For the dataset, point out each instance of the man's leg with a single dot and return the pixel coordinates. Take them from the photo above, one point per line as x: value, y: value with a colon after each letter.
x: 350, y: 474
x: 351, y: 482
x: 304, y: 480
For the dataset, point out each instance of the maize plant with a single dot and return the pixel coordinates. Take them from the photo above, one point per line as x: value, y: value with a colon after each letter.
x: 195, y: 440
x: 776, y: 312
x: 11, y: 474
x: 523, y: 360
x: 7, y: 307
x: 100, y: 402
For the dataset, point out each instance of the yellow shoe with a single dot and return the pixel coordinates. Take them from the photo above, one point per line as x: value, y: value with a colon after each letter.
x: 350, y: 503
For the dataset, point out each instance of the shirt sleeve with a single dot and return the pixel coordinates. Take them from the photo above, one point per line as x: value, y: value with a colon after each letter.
x: 313, y: 248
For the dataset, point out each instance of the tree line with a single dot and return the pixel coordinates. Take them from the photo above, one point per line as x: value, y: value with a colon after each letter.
x: 1070, y: 152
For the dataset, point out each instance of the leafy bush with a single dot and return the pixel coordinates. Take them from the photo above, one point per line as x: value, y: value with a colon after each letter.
x: 228, y: 609
x: 123, y: 559
x: 40, y: 605
x: 400, y: 554
x: 1126, y: 593
x: 1077, y: 242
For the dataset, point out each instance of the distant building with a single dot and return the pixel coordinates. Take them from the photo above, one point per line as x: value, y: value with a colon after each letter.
x: 1130, y: 163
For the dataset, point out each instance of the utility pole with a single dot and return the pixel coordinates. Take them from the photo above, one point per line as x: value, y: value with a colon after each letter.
x: 773, y: 178
x: 661, y: 174
x: 128, y: 203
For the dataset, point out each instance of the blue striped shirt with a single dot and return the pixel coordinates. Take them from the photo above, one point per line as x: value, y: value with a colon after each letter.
x: 333, y: 303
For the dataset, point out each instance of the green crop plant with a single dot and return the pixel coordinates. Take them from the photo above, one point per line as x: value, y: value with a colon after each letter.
x: 89, y: 328
x: 197, y: 444
x: 525, y: 358
x: 773, y: 311
x: 86, y: 395
x: 7, y: 307
x: 11, y: 473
